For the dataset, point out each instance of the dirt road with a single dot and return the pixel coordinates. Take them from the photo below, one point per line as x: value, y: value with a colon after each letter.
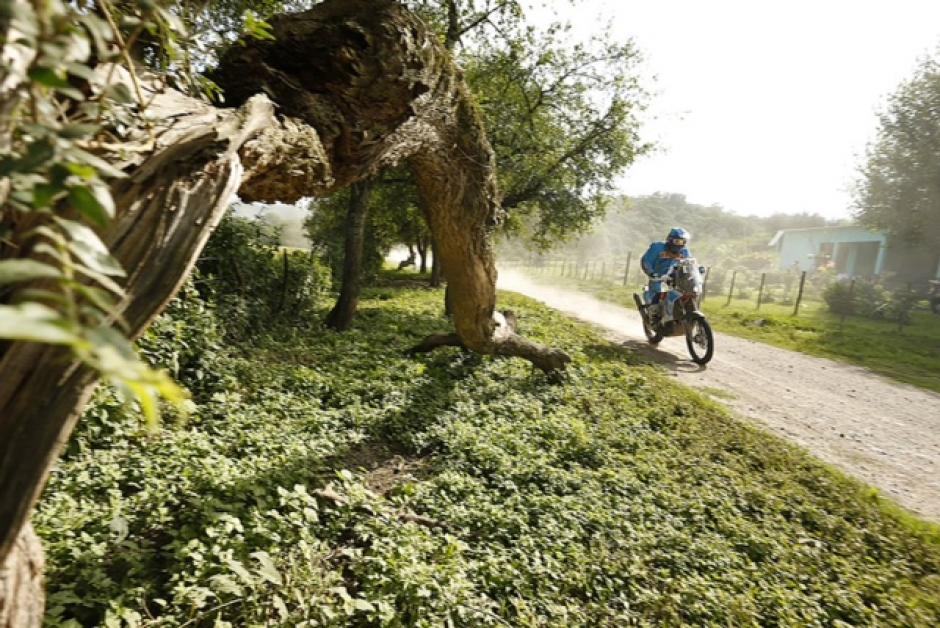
x: 884, y: 433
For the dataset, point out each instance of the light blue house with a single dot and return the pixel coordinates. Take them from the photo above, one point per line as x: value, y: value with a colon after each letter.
x: 854, y: 251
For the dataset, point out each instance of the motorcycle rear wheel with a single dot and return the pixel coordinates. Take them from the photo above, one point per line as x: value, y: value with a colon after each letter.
x: 700, y: 340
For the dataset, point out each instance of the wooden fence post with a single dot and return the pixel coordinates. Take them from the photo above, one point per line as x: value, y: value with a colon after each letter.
x: 760, y: 293
x: 626, y: 272
x: 799, y: 294
x: 734, y: 275
x: 708, y: 271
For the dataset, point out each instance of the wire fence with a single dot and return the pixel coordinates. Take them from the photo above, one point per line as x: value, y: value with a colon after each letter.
x: 798, y: 290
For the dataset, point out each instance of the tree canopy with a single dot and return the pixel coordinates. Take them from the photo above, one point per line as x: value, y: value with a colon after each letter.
x: 899, y: 186
x: 563, y: 125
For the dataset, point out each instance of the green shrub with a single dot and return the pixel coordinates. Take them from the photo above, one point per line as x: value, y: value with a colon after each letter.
x: 252, y: 283
x: 857, y: 298
x: 869, y: 299
x: 900, y: 304
x: 839, y: 298
x: 186, y: 340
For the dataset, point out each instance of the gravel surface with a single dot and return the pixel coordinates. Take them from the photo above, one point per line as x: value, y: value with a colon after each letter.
x: 884, y: 433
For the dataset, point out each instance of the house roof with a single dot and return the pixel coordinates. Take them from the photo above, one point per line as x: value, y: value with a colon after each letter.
x: 780, y: 234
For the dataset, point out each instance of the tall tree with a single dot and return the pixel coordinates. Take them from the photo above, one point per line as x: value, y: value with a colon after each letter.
x: 899, y: 186
x: 340, y: 317
x: 561, y: 118
x: 452, y: 19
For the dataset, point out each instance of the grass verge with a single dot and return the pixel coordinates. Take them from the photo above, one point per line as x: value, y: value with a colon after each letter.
x: 326, y: 479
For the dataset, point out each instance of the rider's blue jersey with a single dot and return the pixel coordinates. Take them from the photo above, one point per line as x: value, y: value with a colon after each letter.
x: 657, y: 261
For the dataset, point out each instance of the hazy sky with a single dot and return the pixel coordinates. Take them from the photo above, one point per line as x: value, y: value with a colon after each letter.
x: 764, y: 105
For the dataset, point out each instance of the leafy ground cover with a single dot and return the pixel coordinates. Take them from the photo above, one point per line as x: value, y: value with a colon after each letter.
x: 911, y: 356
x: 327, y: 479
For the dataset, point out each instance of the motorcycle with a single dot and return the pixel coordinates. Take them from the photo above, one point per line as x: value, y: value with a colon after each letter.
x: 686, y: 278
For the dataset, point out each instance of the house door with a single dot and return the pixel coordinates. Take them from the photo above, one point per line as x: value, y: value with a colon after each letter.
x: 866, y: 259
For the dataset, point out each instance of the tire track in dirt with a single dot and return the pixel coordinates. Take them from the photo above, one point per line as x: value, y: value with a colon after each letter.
x: 885, y: 433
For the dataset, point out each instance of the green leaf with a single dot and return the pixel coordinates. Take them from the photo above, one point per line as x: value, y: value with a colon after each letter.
x: 225, y: 584
x: 44, y: 248
x: 44, y: 194
x: 89, y: 249
x: 147, y: 400
x: 239, y: 570
x: 79, y: 156
x: 38, y: 154
x: 99, y: 31
x: 37, y: 294
x: 120, y: 93
x: 36, y: 323
x: 103, y: 280
x: 48, y: 77
x: 80, y: 70
x: 94, y: 203
x: 257, y: 28
x: 81, y: 170
x: 100, y: 299
x: 77, y: 131
x: 363, y: 605
x: 15, y: 270
x: 267, y: 570
x: 71, y: 92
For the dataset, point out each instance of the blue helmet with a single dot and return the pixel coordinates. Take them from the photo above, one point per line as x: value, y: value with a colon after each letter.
x: 677, y: 239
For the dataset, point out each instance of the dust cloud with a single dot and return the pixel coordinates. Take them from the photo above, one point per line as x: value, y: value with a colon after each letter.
x: 585, y: 307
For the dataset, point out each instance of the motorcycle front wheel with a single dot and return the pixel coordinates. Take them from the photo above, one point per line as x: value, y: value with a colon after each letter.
x: 700, y: 340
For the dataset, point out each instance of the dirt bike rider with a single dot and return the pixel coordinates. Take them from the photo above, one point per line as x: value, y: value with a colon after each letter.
x: 658, y: 261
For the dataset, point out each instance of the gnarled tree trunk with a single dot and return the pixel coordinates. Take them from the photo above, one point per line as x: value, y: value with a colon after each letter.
x: 360, y: 85
x: 393, y: 94
x: 166, y: 209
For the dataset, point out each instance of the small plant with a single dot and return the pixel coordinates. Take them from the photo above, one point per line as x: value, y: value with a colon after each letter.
x: 900, y: 305
x: 840, y: 298
x: 869, y: 299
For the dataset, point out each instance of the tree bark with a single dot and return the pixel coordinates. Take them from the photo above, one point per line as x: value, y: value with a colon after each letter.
x: 341, y: 316
x: 22, y: 599
x: 360, y: 85
x: 437, y: 272
x: 423, y: 254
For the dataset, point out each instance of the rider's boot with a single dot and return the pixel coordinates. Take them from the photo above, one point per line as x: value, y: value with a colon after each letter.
x: 655, y: 313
